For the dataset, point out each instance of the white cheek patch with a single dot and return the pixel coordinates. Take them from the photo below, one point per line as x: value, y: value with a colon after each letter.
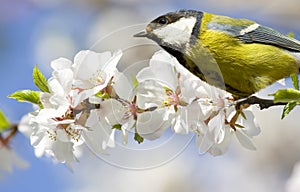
x: 177, y: 33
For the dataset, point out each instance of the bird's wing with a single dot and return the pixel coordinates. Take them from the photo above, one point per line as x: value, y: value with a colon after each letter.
x: 260, y: 34
x: 250, y: 32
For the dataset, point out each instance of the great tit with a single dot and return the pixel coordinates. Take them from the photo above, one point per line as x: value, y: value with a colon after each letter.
x: 238, y: 55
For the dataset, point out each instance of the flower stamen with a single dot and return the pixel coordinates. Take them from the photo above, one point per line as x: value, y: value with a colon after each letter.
x: 98, y: 78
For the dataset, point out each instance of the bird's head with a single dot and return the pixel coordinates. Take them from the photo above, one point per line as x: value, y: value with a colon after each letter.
x: 176, y: 30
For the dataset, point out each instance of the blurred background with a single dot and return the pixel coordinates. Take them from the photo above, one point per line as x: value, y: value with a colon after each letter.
x: 38, y: 31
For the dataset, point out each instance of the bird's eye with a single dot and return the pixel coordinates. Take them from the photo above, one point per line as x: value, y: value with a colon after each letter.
x: 163, y: 21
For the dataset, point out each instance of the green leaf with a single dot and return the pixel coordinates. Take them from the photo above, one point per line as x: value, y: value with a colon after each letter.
x: 40, y: 80
x: 167, y: 90
x: 117, y: 126
x: 288, y: 108
x: 27, y: 96
x: 4, y: 124
x: 286, y: 95
x: 135, y: 82
x: 291, y: 34
x: 102, y: 95
x: 295, y: 81
x: 138, y: 138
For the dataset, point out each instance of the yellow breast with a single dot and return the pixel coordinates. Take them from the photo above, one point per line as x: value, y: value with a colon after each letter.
x: 246, y: 68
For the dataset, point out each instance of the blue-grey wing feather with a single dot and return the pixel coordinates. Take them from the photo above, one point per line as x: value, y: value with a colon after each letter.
x: 267, y: 35
x: 259, y: 34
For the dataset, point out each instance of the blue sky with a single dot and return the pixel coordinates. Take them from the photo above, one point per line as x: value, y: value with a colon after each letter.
x: 18, y: 44
x: 25, y: 27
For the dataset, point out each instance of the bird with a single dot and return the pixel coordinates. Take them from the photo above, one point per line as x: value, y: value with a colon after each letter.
x: 237, y: 55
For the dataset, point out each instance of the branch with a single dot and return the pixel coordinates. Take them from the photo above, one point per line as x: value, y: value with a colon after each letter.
x: 5, y: 140
x: 263, y: 103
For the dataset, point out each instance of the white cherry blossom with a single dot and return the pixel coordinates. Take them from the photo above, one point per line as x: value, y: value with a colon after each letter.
x: 89, y: 100
x: 67, y: 119
x: 93, y: 72
x: 9, y: 159
x: 173, y: 94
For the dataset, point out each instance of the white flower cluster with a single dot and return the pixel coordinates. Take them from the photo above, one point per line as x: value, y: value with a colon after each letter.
x: 9, y: 159
x: 89, y: 100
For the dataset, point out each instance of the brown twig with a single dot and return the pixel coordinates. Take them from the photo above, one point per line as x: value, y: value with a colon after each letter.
x: 4, y: 141
x: 263, y: 103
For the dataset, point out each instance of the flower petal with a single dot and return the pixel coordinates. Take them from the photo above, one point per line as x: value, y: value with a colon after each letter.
x: 159, y: 70
x: 123, y: 86
x: 151, y: 125
x: 9, y: 159
x: 98, y: 134
x: 60, y: 64
x: 87, y: 62
x: 65, y: 78
x: 150, y: 94
x: 244, y: 140
x: 251, y: 128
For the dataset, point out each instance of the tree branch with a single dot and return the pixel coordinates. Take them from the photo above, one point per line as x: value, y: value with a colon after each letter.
x: 263, y: 103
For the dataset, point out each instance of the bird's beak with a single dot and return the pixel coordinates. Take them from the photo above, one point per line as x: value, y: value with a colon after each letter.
x: 141, y: 34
